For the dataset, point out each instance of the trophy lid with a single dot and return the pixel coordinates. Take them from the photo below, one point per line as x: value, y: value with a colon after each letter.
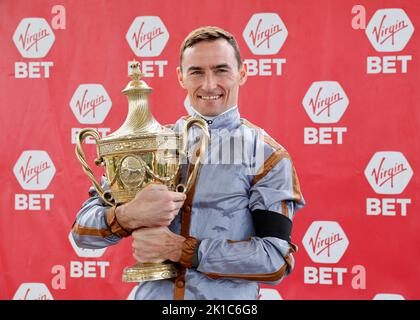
x: 136, y: 85
x: 139, y: 121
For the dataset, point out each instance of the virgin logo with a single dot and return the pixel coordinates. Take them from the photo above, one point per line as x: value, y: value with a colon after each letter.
x: 319, y: 244
x: 388, y: 172
x: 383, y: 175
x: 29, y: 40
x: 325, y: 241
x: 33, y: 37
x: 34, y: 170
x: 142, y: 38
x: 319, y: 104
x: 383, y: 33
x: 147, y: 36
x: 389, y: 30
x: 90, y: 103
x: 325, y: 102
x: 33, y: 291
x: 265, y: 33
x: 84, y: 106
x: 259, y: 37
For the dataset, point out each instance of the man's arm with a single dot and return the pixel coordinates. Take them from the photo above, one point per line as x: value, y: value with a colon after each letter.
x: 266, y: 257
x: 98, y: 225
x: 90, y: 229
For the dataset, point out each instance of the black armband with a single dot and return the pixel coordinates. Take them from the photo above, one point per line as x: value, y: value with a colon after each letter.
x: 271, y: 224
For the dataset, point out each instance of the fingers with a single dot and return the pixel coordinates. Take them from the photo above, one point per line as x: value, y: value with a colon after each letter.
x: 157, y: 186
x: 177, y: 196
x: 177, y: 205
x: 167, y: 202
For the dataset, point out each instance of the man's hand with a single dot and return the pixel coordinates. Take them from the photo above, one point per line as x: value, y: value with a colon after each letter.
x: 154, y: 206
x: 156, y: 245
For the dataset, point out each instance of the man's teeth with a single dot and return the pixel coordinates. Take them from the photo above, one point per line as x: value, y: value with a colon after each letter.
x: 210, y: 97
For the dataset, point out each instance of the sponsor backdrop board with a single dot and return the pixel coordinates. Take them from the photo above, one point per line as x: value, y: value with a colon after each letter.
x: 335, y: 82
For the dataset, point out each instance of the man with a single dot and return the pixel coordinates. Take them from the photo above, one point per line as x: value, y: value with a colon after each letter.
x: 235, y: 225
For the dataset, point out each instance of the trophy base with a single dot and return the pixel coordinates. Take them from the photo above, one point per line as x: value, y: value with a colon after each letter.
x: 150, y: 272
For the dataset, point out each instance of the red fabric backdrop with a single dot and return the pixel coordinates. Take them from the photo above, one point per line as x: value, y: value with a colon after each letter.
x: 335, y: 82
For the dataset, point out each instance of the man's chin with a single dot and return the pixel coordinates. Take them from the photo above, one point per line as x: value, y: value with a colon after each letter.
x: 210, y: 111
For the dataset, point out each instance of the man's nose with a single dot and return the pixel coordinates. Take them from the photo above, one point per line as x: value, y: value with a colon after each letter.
x: 209, y: 83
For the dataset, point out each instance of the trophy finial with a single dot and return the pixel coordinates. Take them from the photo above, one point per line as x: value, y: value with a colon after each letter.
x: 136, y: 82
x: 135, y: 72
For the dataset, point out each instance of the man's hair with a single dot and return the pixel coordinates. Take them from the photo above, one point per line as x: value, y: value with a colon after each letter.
x: 210, y: 33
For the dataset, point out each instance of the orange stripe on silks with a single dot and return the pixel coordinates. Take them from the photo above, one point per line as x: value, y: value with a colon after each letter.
x: 85, y: 231
x: 179, y: 287
x: 278, y: 154
x: 272, y: 143
x: 236, y: 241
x: 259, y: 277
x: 185, y: 117
x: 293, y: 247
x: 249, y: 124
x: 113, y: 224
x: 284, y: 209
x: 253, y: 277
x: 269, y: 164
x: 267, y: 139
x: 188, y: 250
x: 297, y: 194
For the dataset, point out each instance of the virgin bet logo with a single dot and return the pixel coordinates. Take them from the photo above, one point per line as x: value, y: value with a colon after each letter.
x: 34, y: 170
x: 388, y: 172
x: 147, y: 36
x: 389, y: 30
x: 325, y: 242
x: 33, y: 37
x: 265, y: 33
x: 90, y: 103
x: 325, y: 102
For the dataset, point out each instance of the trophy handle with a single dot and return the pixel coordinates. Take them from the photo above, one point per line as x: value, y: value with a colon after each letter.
x: 106, y: 196
x: 200, y: 153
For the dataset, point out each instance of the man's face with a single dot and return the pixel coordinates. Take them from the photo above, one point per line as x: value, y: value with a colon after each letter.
x: 211, y: 76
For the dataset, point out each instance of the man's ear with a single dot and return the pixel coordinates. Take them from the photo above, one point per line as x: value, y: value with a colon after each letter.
x: 180, y: 77
x: 243, y: 73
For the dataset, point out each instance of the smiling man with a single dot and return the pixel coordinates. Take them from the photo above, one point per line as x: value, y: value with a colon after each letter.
x: 234, y: 227
x: 212, y: 72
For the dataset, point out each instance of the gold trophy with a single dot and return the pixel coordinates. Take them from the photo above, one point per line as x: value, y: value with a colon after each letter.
x: 139, y: 152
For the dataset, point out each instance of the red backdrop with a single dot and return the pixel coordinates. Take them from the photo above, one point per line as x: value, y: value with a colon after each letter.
x: 335, y: 82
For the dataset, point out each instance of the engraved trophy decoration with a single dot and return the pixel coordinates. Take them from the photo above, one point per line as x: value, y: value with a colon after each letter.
x: 139, y: 152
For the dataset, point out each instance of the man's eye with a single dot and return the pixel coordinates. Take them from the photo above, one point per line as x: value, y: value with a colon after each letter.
x: 221, y: 70
x: 195, y: 72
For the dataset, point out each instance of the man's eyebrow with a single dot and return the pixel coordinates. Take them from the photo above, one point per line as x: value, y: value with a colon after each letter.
x: 192, y: 68
x: 222, y: 66
x: 219, y: 66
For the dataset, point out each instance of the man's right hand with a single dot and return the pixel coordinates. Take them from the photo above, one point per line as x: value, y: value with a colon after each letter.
x: 153, y: 206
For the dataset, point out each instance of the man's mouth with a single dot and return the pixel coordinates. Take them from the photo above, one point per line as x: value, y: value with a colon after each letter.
x: 213, y: 97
